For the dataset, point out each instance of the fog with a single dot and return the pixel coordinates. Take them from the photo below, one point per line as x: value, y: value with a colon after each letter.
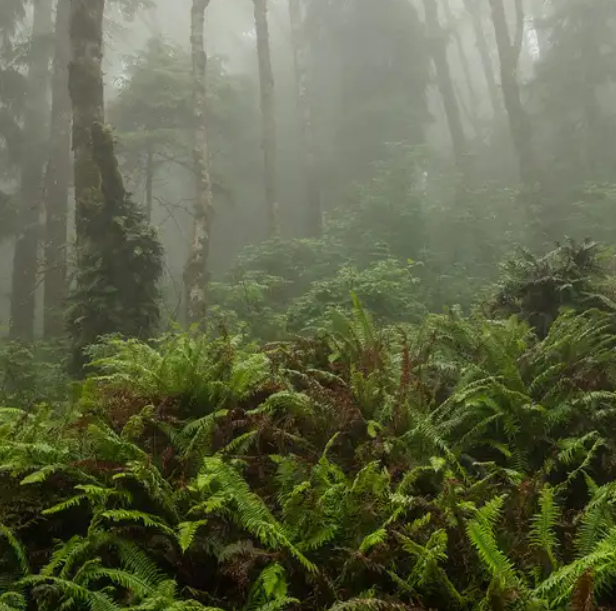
x: 405, y: 105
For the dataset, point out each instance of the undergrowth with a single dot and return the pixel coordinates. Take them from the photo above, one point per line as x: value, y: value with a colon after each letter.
x: 465, y: 462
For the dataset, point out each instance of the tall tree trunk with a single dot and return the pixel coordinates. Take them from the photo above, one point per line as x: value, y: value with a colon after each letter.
x: 25, y: 268
x: 473, y: 96
x: 438, y: 46
x: 519, y: 122
x: 119, y: 258
x: 57, y: 180
x: 474, y: 11
x: 314, y: 213
x: 87, y: 98
x: 268, y: 116
x: 196, y: 274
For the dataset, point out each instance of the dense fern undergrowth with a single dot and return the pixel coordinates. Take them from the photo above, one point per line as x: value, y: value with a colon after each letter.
x: 466, y: 462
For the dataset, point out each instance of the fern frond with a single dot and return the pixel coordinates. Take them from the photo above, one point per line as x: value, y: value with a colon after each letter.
x: 16, y: 546
x: 480, y: 531
x: 542, y: 533
x: 186, y: 533
x: 368, y: 604
x: 126, y: 515
x: 372, y: 540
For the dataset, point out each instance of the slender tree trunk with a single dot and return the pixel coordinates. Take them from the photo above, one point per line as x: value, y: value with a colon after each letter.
x: 268, y: 116
x: 519, y: 123
x: 314, y: 213
x: 25, y: 268
x: 473, y: 96
x: 196, y: 273
x: 57, y: 180
x: 473, y: 9
x: 438, y: 46
x: 149, y: 181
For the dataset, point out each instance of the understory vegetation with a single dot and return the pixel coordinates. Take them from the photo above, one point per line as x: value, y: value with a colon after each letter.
x: 460, y: 462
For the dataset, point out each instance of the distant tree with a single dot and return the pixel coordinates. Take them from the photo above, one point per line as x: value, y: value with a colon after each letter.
x: 57, y: 180
x: 474, y: 10
x: 119, y: 258
x: 313, y: 213
x: 509, y: 48
x: 371, y: 62
x: 573, y: 89
x: 268, y: 116
x: 438, y: 48
x: 196, y: 273
x: 12, y: 87
x: 153, y: 113
x: 30, y: 199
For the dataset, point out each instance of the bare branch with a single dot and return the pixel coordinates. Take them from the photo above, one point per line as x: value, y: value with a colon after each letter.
x: 520, y: 24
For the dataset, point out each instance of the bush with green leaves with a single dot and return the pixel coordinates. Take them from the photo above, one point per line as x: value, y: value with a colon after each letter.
x: 32, y: 374
x: 576, y: 276
x: 387, y: 289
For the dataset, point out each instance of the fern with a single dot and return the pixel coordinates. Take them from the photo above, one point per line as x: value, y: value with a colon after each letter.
x: 480, y: 531
x: 16, y: 546
x: 186, y: 533
x: 542, y: 534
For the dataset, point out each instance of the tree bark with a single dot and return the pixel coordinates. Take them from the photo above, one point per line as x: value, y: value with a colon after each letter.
x: 57, y: 180
x: 484, y: 55
x: 314, y: 212
x: 268, y: 116
x: 438, y: 47
x: 196, y: 273
x: 519, y: 122
x: 86, y: 92
x: 25, y: 268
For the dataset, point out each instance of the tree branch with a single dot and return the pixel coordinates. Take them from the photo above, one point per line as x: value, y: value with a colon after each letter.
x: 519, y: 33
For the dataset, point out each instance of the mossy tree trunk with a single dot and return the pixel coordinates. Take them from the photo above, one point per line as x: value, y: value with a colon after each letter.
x: 57, y: 181
x: 314, y: 213
x: 196, y: 274
x: 25, y: 262
x: 119, y: 257
x: 268, y: 116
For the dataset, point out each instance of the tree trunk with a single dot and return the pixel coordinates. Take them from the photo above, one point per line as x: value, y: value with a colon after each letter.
x: 484, y: 55
x: 149, y: 181
x: 25, y: 268
x: 314, y: 213
x: 268, y: 116
x: 519, y: 122
x: 473, y: 96
x: 57, y: 181
x: 119, y: 258
x: 196, y: 273
x: 438, y: 47
x: 87, y: 97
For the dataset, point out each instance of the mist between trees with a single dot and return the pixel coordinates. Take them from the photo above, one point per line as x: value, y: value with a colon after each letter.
x: 307, y: 303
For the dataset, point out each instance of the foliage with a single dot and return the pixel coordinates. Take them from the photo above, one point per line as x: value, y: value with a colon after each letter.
x: 458, y: 463
x: 30, y: 375
x: 571, y: 276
